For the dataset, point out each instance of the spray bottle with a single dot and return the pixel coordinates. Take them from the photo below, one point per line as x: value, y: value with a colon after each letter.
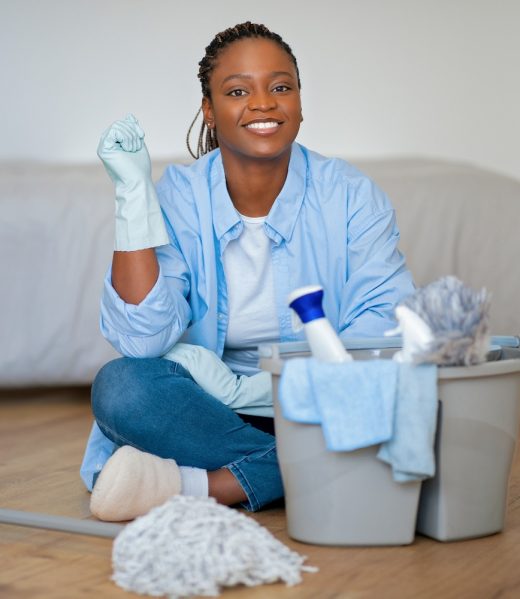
x: 323, y: 340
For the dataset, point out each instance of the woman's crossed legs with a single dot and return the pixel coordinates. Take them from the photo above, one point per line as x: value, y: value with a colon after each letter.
x: 153, y: 405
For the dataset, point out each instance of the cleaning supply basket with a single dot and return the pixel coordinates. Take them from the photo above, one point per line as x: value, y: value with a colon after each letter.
x: 350, y: 498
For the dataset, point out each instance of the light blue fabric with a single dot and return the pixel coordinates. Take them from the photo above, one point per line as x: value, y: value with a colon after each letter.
x: 365, y: 407
x: 365, y: 403
x: 138, y: 220
x: 353, y: 401
x: 330, y: 225
x: 99, y: 449
x: 296, y: 393
x: 410, y: 450
x: 217, y: 379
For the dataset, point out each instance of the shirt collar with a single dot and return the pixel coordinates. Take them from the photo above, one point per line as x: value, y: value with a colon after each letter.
x: 282, y: 217
x: 284, y: 212
x: 225, y: 215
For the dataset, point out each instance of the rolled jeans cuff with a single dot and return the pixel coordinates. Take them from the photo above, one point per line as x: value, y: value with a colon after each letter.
x: 255, y: 468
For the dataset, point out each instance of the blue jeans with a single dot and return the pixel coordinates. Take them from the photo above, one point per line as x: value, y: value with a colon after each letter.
x: 154, y: 405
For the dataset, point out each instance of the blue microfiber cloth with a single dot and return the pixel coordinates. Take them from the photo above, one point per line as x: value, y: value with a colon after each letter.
x: 354, y: 401
x: 410, y: 450
x: 367, y: 402
x: 296, y: 394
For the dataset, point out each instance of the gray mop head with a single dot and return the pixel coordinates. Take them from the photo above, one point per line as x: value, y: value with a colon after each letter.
x: 458, y: 317
x: 192, y: 546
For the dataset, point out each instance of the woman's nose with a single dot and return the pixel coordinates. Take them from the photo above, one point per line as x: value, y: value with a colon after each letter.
x: 261, y: 101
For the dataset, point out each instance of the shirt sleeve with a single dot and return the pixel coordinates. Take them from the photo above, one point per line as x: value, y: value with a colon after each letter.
x: 151, y: 328
x: 377, y: 276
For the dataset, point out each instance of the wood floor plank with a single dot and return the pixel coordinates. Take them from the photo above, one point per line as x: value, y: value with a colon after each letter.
x: 42, y: 437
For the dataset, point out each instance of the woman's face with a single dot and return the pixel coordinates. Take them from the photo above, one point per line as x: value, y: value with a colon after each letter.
x: 255, y: 102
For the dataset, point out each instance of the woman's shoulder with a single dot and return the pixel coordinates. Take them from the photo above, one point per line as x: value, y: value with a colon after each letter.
x: 334, y: 173
x: 183, y: 175
x: 330, y: 167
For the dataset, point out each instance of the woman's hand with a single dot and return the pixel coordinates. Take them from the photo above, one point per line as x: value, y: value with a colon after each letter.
x: 139, y: 224
x: 139, y: 221
x: 123, y: 152
x: 217, y: 379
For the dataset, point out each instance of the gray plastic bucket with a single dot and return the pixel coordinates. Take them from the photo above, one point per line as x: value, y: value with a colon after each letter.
x: 350, y: 498
x: 337, y: 498
x: 474, y: 449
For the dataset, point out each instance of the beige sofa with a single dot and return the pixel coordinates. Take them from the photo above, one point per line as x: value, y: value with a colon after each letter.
x: 56, y: 238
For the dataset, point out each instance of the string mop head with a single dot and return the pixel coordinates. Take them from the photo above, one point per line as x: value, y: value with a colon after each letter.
x: 445, y: 323
x: 193, y: 546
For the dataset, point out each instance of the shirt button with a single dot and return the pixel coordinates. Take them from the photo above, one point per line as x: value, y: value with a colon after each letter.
x: 221, y: 316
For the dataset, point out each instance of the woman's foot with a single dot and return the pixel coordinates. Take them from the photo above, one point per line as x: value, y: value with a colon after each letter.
x: 131, y: 483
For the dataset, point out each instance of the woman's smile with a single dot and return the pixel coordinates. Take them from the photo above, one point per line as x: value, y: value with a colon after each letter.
x: 263, y: 127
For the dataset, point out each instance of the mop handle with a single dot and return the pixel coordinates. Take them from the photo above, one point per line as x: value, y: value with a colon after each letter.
x: 62, y: 523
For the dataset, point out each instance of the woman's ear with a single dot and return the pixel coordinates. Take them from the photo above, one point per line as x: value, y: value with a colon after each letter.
x: 207, y: 113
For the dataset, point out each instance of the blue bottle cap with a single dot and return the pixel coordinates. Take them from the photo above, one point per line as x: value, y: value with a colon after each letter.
x: 307, y: 303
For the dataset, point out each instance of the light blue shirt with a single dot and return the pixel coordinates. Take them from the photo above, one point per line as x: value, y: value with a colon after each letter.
x: 330, y: 225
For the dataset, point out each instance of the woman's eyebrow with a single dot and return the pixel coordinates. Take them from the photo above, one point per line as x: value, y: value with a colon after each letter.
x: 249, y: 77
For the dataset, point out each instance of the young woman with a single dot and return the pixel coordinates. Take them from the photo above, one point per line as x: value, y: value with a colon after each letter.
x: 210, y: 263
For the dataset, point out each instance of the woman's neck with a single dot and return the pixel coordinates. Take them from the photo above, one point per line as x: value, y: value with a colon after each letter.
x: 254, y: 185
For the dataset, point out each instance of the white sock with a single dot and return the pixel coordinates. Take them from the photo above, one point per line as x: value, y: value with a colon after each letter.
x: 194, y: 481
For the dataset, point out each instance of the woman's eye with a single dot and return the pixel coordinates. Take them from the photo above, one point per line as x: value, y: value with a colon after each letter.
x: 237, y: 93
x: 281, y: 88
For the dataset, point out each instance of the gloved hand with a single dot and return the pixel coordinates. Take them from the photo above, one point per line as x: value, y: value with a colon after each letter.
x: 139, y: 221
x: 217, y: 379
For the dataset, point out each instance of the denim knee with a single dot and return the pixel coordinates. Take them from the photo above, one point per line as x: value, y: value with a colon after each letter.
x: 106, y: 388
x: 123, y: 385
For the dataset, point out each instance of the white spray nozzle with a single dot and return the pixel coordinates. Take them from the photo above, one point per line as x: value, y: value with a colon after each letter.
x: 417, y: 335
x: 325, y: 344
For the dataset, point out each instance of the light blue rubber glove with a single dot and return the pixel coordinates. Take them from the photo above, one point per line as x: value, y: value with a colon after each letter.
x: 217, y: 379
x: 139, y: 221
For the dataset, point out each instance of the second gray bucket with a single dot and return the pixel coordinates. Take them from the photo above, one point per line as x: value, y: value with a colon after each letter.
x: 475, y: 444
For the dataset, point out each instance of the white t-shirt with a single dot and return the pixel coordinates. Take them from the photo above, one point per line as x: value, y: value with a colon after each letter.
x: 251, y: 301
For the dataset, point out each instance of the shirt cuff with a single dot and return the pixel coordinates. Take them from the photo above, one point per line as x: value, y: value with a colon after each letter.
x: 149, y: 317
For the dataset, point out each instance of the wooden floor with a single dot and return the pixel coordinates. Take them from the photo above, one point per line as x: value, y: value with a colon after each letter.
x: 42, y: 436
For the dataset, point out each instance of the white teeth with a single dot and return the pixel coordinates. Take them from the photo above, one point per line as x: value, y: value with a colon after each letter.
x: 262, y: 125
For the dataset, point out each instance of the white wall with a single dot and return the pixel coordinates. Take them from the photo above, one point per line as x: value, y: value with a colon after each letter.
x: 380, y: 77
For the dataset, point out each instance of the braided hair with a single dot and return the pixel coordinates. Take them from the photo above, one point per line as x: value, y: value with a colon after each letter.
x: 207, y: 140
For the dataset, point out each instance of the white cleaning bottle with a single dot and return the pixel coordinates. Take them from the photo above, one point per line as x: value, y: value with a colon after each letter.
x: 323, y: 340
